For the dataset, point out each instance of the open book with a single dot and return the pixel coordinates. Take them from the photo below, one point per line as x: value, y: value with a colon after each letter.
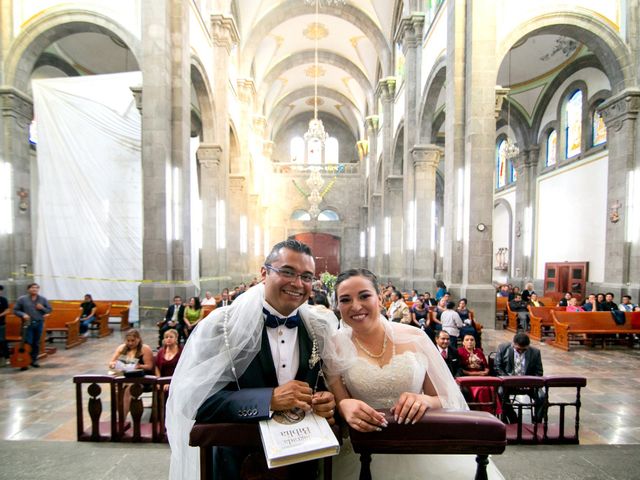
x: 295, y: 436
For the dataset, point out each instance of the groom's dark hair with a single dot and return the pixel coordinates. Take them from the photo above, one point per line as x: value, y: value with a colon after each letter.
x: 358, y: 272
x: 291, y: 244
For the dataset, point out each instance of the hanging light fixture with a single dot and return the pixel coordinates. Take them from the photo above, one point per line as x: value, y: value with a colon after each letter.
x: 511, y: 149
x: 316, y: 132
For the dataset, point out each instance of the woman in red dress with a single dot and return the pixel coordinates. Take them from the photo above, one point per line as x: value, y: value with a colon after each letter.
x: 474, y: 363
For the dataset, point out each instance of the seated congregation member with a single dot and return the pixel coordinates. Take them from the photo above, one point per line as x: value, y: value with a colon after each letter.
x: 450, y: 354
x: 573, y: 305
x: 474, y: 363
x: 442, y: 304
x: 626, y: 305
x: 429, y: 300
x: 590, y: 304
x: 519, y: 358
x: 398, y: 310
x: 452, y: 323
x: 533, y: 300
x: 224, y: 298
x: 526, y: 293
x: 253, y: 355
x: 168, y: 355
x: 513, y: 293
x: 87, y: 314
x: 503, y: 291
x: 518, y: 306
x: 600, y: 301
x: 470, y: 326
x: 419, y: 313
x: 609, y: 305
x: 174, y: 318
x: 132, y: 355
x: 564, y: 301
x: 193, y: 313
x: 208, y: 299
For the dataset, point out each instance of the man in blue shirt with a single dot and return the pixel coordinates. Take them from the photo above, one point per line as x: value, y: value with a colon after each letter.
x: 32, y: 308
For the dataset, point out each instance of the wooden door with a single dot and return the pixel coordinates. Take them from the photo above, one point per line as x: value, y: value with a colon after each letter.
x: 560, y: 277
x: 325, y: 249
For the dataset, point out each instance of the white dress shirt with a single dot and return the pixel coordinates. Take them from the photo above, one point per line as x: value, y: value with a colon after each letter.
x: 285, y: 351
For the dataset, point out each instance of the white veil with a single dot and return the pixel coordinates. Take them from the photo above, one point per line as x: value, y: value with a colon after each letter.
x: 404, y: 337
x: 211, y: 360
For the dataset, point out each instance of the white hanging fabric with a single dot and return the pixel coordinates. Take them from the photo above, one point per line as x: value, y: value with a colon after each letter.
x: 88, y: 237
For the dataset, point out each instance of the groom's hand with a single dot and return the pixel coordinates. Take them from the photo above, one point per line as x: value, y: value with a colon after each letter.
x: 324, y: 404
x: 290, y: 395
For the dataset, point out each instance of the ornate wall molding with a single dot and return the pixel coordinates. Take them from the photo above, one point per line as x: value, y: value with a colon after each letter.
x: 208, y: 155
x: 425, y: 156
x: 372, y: 124
x: 15, y: 104
x: 620, y: 108
x: 386, y: 89
x: 137, y: 96
x: 246, y: 90
x: 501, y: 94
x: 409, y: 32
x: 224, y: 31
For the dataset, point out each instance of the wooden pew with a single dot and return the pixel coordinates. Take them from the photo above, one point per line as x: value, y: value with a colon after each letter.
x: 138, y: 431
x: 501, y: 310
x: 66, y: 322
x: 592, y: 324
x: 512, y: 319
x: 440, y: 431
x: 121, y: 308
x: 96, y: 385
x: 207, y: 309
x: 101, y: 324
x: 540, y: 319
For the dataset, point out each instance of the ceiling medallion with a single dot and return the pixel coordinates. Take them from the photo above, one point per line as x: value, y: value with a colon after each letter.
x: 316, y: 31
x: 311, y: 101
x: 315, y: 71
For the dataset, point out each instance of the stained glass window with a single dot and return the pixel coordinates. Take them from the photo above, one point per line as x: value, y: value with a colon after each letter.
x: 296, y: 149
x: 574, y: 124
x: 301, y: 216
x: 552, y: 142
x: 514, y: 173
x: 501, y: 165
x: 599, y: 129
x: 328, y: 216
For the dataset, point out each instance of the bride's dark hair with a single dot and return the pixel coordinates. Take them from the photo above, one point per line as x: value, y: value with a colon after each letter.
x: 357, y: 272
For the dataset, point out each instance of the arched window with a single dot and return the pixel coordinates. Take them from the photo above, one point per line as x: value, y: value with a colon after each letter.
x: 296, y: 150
x: 513, y: 173
x: 314, y: 152
x: 300, y: 215
x: 552, y: 142
x: 331, y: 154
x: 501, y: 164
x: 573, y: 126
x: 328, y: 216
x: 599, y: 130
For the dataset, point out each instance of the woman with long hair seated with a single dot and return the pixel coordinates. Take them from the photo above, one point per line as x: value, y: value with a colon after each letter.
x: 193, y: 313
x: 386, y: 369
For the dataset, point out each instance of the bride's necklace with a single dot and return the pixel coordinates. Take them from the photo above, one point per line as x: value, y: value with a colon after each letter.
x: 372, y: 355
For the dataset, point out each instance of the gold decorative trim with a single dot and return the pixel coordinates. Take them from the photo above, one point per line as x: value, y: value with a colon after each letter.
x: 316, y: 31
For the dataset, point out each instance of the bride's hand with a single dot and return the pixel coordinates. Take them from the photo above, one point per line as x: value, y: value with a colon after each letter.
x: 410, y: 407
x: 361, y: 416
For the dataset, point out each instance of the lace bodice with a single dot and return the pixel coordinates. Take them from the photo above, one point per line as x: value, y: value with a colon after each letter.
x: 380, y: 387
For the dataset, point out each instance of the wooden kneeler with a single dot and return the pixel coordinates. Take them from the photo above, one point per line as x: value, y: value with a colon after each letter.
x: 439, y: 432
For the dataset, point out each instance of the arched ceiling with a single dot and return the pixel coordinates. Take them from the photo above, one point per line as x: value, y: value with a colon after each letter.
x: 277, y: 50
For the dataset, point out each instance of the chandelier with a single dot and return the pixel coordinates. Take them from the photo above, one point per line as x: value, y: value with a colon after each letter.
x: 511, y: 149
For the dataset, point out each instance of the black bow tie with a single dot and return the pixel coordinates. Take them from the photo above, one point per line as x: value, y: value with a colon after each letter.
x: 273, y: 321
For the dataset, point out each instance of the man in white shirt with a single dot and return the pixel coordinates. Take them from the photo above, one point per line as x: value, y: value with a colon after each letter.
x: 208, y: 299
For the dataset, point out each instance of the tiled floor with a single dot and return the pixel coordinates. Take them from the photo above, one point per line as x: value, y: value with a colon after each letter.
x: 40, y: 404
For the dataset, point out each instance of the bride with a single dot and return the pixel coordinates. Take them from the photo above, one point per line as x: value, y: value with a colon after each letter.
x: 392, y: 367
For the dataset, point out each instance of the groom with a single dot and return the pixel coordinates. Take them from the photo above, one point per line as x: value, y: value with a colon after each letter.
x: 279, y: 377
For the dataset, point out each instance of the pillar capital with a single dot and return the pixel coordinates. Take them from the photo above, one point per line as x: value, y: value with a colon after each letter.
x: 224, y: 31
x: 409, y: 32
x: 267, y: 148
x: 501, y: 94
x: 372, y: 123
x: 393, y: 183
x: 16, y: 104
x: 426, y: 156
x: 619, y: 108
x: 137, y: 96
x: 236, y: 183
x: 208, y: 155
x: 259, y: 125
x: 386, y: 89
x: 246, y: 89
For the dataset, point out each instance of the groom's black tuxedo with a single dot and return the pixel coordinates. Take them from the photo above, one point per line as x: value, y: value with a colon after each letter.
x: 251, y: 403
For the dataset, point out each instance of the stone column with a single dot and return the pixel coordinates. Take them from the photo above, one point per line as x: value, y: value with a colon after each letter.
x: 376, y: 220
x: 16, y: 247
x: 526, y: 165
x: 454, y: 144
x: 425, y: 163
x: 386, y: 92
x: 165, y: 152
x: 479, y: 146
x: 237, y: 260
x: 410, y: 34
x: 374, y: 213
x: 622, y: 247
x: 208, y: 156
x: 225, y: 36
x: 393, y: 210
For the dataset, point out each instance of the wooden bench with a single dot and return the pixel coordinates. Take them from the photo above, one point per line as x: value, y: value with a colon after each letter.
x: 207, y: 309
x: 501, y: 311
x: 66, y: 322
x: 239, y: 435
x: 101, y: 324
x: 568, y: 325
x: 541, y: 321
x: 438, y: 432
x: 121, y: 308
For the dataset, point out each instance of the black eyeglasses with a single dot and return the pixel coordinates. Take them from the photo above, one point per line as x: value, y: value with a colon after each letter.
x: 292, y: 275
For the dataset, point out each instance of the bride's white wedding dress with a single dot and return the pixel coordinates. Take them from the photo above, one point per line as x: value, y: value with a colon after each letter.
x: 380, y: 388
